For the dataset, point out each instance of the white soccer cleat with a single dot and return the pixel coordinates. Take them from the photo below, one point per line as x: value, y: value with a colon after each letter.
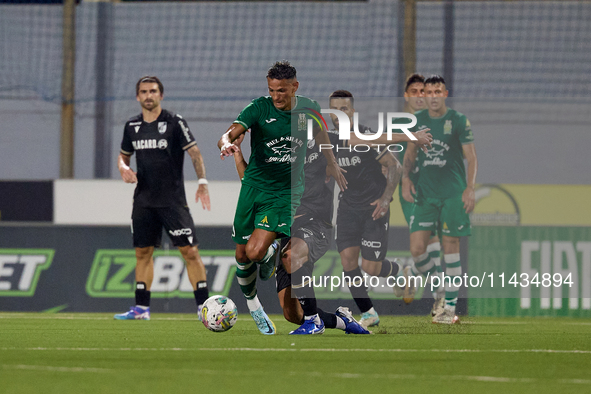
x: 369, y: 319
x: 439, y: 302
x: 446, y: 316
x: 410, y: 289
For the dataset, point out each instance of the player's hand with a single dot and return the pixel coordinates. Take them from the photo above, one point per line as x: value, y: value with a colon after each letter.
x: 469, y: 199
x: 238, y: 141
x: 424, y: 139
x: 228, y: 149
x: 128, y: 175
x: 333, y: 170
x: 382, y: 204
x: 203, y: 195
x: 408, y: 190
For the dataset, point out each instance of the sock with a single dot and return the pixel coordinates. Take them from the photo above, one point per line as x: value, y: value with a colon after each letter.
x: 253, y: 303
x: 354, y: 280
x: 434, y: 251
x: 453, y: 269
x: 142, y: 296
x: 301, y: 287
x: 330, y: 319
x: 389, y: 268
x: 247, y: 279
x: 201, y: 294
x: 423, y: 265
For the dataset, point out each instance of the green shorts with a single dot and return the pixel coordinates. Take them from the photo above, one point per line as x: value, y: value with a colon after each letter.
x: 259, y: 209
x: 449, y: 213
x: 407, y: 208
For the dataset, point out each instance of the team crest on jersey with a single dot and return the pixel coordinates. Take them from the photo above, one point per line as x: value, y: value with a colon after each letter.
x: 162, y: 127
x: 311, y: 144
x: 302, y: 124
x: 447, y: 127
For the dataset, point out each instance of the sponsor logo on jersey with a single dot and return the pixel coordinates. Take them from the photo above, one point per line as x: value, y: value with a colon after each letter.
x: 433, y: 156
x: 20, y: 270
x: 185, y: 131
x: 270, y: 120
x: 312, y: 157
x: 180, y: 231
x: 135, y: 123
x: 285, y: 148
x: 371, y: 244
x: 447, y: 127
x: 112, y: 276
x: 162, y: 144
x: 162, y: 127
x: 349, y: 162
x: 145, y: 144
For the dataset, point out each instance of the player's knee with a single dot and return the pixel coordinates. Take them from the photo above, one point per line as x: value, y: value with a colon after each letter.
x: 143, y: 255
x: 255, y: 252
x: 418, y: 249
x: 241, y: 256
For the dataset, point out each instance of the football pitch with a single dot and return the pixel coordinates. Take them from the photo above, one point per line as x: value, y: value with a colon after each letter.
x: 92, y: 353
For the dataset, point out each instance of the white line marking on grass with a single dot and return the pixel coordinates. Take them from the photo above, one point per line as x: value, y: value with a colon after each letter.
x: 54, y: 369
x: 329, y: 350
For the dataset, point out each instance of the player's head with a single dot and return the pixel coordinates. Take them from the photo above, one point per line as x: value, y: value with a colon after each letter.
x: 414, y: 92
x: 149, y: 92
x: 283, y: 84
x: 343, y: 101
x: 435, y: 92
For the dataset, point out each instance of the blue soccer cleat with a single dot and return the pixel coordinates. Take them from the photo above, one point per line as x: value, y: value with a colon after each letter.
x: 267, y: 266
x: 264, y: 324
x: 135, y: 313
x: 309, y: 328
x: 352, y: 326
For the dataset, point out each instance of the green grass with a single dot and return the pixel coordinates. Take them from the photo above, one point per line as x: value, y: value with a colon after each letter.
x: 91, y: 353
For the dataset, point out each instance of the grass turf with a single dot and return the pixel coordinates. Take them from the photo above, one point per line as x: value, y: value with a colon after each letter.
x: 92, y: 353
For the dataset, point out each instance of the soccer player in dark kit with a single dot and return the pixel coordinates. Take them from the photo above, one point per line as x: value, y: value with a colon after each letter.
x: 364, y: 211
x: 160, y: 139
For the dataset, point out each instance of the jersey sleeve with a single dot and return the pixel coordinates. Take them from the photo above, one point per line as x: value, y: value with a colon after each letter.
x: 465, y: 132
x: 186, y: 137
x: 126, y: 145
x: 249, y: 115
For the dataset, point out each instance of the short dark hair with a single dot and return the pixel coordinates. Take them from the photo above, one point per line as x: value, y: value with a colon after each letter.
x: 148, y: 79
x: 281, y: 70
x: 341, y: 94
x: 434, y: 80
x: 413, y: 78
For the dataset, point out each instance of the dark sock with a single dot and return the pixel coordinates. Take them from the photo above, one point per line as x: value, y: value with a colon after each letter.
x: 301, y: 287
x: 329, y: 319
x: 142, y: 296
x: 201, y: 294
x: 358, y: 289
x: 388, y: 269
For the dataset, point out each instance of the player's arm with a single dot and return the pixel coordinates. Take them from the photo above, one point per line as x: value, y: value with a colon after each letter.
x: 127, y: 174
x: 332, y: 167
x: 202, y: 191
x: 393, y: 174
x: 410, y: 157
x: 424, y: 139
x: 468, y: 197
x: 241, y: 164
x: 225, y: 144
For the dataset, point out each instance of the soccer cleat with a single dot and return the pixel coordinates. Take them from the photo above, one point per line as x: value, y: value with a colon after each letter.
x: 264, y: 324
x: 134, y: 313
x: 446, y: 316
x: 439, y: 302
x: 352, y: 326
x: 309, y: 328
x: 267, y: 266
x: 199, y: 309
x: 398, y: 291
x: 410, y: 289
x: 369, y: 319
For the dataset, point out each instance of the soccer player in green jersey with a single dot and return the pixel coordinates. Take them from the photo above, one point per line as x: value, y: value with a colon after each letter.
x: 443, y: 195
x: 274, y: 179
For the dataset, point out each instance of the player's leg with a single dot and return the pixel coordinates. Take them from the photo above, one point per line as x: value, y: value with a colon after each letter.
x: 261, y: 249
x: 179, y: 226
x: 435, y: 254
x: 147, y: 234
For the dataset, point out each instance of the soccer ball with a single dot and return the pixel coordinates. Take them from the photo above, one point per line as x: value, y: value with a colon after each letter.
x: 219, y: 313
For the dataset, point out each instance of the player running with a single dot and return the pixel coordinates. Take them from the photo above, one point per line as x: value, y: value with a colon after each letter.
x: 443, y: 196
x: 311, y: 234
x: 273, y: 182
x: 364, y: 212
x: 160, y: 139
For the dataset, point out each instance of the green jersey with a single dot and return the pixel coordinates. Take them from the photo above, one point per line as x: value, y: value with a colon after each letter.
x: 278, y: 145
x: 414, y: 176
x: 442, y: 173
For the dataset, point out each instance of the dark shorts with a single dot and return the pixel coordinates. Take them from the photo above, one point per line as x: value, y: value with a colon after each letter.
x: 282, y: 278
x: 315, y: 233
x: 147, y: 223
x: 356, y: 227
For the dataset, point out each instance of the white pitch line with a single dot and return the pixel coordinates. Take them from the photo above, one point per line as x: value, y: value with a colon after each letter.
x: 54, y: 369
x: 323, y: 350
